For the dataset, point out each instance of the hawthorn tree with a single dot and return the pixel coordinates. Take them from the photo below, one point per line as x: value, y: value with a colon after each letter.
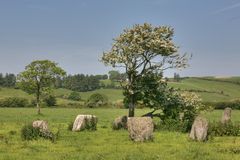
x: 39, y: 78
x: 142, y: 50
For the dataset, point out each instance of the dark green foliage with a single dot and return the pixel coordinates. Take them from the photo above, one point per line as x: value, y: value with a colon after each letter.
x: 14, y: 102
x: 172, y: 125
x: 50, y: 100
x: 12, y: 132
x: 81, y: 82
x: 9, y: 80
x: 70, y: 126
x: 234, y: 104
x: 117, y: 76
x: 48, y: 135
x: 155, y: 93
x: 28, y: 132
x: 227, y: 129
x: 75, y: 96
x: 101, y: 77
x: 96, y: 100
x: 176, y: 77
x: 91, y: 124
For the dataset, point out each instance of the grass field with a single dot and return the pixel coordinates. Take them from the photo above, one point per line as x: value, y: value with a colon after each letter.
x: 215, y: 86
x: 105, y: 143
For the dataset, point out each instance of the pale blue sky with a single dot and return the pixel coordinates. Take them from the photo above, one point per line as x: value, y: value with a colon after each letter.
x: 74, y: 33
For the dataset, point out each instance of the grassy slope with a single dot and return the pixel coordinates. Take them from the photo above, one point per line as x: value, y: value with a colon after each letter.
x: 230, y: 90
x: 112, y: 94
x: 10, y: 92
x: 105, y: 143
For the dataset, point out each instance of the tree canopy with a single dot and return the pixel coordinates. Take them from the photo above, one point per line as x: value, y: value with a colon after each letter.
x: 141, y: 50
x: 39, y: 77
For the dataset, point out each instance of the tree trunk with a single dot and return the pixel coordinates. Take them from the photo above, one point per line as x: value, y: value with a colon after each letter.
x: 131, y: 107
x: 38, y: 101
x: 38, y: 108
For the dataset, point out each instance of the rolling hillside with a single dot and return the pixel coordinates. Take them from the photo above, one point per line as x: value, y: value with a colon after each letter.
x: 210, y: 89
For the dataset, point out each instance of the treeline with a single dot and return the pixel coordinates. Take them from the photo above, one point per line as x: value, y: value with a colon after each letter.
x: 80, y: 82
x: 84, y: 83
x: 219, y: 80
x: 77, y: 82
x: 7, y: 80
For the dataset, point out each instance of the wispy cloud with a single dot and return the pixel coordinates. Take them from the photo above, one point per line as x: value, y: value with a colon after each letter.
x: 228, y: 8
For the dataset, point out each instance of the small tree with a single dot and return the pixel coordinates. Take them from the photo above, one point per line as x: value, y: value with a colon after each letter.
x: 141, y: 50
x: 38, y: 78
x: 114, y: 75
x: 75, y: 96
x: 176, y: 77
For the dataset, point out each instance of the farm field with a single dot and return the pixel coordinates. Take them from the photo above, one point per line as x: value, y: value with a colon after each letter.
x: 105, y: 143
x: 211, y: 89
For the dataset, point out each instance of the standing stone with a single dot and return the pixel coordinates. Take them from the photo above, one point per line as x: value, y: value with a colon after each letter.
x: 226, y: 117
x: 120, y: 123
x: 199, y: 129
x: 41, y: 124
x: 83, y: 121
x: 140, y: 128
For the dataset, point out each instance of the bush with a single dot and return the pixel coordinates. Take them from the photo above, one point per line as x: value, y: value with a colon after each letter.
x: 96, y: 100
x: 14, y: 102
x: 234, y: 104
x: 172, y: 125
x: 91, y: 124
x: 50, y: 100
x: 75, y: 96
x: 227, y: 129
x: 70, y: 126
x: 29, y: 132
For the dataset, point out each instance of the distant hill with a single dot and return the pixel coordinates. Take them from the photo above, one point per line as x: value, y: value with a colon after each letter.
x: 210, y: 89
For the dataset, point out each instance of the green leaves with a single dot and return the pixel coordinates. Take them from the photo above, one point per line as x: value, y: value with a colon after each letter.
x: 41, y: 73
x: 39, y: 77
x: 143, y: 50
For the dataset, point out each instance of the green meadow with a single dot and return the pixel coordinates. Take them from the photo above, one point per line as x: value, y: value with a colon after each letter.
x: 105, y: 143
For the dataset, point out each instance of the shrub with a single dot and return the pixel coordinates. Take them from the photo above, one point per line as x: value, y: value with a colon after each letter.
x: 29, y: 132
x: 14, y: 102
x: 96, y: 100
x: 50, y: 100
x: 91, y: 124
x: 227, y: 129
x: 75, y: 96
x: 172, y: 125
x: 234, y: 104
x: 70, y: 126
